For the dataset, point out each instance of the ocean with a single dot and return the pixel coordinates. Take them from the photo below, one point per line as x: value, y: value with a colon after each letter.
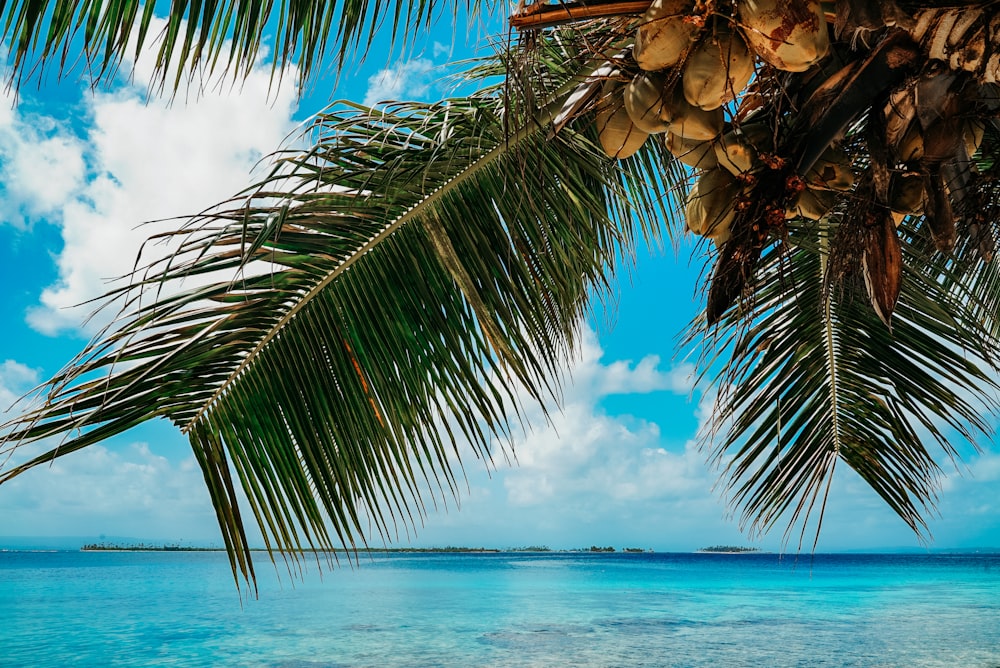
x: 75, y: 608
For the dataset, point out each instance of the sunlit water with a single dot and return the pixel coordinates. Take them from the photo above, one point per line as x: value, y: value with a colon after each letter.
x: 181, y: 609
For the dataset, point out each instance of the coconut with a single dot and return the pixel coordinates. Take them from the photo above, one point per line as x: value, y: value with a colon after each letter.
x: 832, y: 171
x: 718, y: 69
x: 665, y: 34
x: 618, y: 135
x: 722, y: 233
x: 811, y: 204
x: 694, y: 153
x: 645, y: 104
x: 691, y: 122
x: 789, y: 34
x: 737, y: 150
x: 711, y: 203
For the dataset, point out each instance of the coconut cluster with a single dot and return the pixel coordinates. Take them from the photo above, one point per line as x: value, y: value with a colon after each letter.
x: 758, y: 96
x: 693, y: 63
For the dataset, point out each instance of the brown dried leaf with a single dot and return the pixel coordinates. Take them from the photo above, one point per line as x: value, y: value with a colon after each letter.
x: 882, y: 264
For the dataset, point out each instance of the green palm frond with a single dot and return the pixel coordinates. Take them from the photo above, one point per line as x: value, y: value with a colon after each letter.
x: 809, y: 377
x: 393, y: 286
x: 385, y: 295
x: 204, y: 37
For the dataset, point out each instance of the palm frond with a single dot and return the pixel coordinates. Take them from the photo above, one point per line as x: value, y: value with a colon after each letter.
x: 810, y: 377
x: 393, y: 285
x: 200, y: 38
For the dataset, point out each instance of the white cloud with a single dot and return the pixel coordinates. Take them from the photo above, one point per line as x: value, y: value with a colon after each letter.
x: 15, y: 380
x: 440, y: 49
x: 591, y: 477
x: 595, y: 465
x: 986, y: 467
x: 622, y: 378
x: 123, y: 491
x: 584, y: 453
x: 145, y: 161
x: 98, y: 490
x: 585, y: 476
x: 408, y: 80
x: 41, y: 165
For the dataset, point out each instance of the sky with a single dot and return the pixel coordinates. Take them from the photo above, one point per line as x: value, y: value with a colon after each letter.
x: 619, y: 465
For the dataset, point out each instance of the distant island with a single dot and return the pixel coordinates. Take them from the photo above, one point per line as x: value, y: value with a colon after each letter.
x: 145, y: 547
x: 728, y: 549
x: 148, y: 547
x: 111, y: 546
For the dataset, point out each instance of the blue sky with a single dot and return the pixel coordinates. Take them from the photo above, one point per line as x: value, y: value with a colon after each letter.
x: 618, y: 466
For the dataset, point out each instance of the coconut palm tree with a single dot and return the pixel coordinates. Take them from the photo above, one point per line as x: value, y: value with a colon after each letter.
x: 389, y: 293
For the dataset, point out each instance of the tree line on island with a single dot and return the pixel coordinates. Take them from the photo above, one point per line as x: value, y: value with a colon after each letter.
x: 111, y: 546
x: 729, y: 549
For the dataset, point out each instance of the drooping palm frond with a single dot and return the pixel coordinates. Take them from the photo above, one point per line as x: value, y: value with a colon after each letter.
x: 833, y: 334
x: 205, y: 37
x: 811, y: 378
x: 384, y: 293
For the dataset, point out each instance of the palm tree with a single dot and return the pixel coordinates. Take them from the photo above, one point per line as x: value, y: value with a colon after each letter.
x: 388, y: 292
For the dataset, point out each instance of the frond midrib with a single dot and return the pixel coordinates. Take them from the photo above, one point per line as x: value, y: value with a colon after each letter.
x: 540, y: 121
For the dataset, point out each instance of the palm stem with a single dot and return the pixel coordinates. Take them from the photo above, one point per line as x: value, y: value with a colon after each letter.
x: 543, y: 15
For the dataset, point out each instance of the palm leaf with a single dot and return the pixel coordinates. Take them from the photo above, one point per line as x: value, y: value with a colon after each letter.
x: 393, y: 286
x: 202, y: 37
x: 813, y: 378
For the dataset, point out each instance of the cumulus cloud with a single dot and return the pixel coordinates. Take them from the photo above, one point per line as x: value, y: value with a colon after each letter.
x: 15, y: 380
x: 585, y: 476
x: 588, y: 476
x: 123, y: 492
x: 407, y: 80
x: 986, y: 468
x: 584, y: 454
x: 144, y: 161
x: 41, y: 165
x: 439, y: 49
x: 126, y: 490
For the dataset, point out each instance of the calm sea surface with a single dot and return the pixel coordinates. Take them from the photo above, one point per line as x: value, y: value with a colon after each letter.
x: 181, y: 609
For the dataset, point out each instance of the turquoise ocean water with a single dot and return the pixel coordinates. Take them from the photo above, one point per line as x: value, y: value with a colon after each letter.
x: 513, y: 609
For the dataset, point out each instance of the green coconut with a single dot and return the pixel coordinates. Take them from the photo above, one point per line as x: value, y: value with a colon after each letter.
x: 906, y: 195
x: 791, y: 35
x: 832, y: 171
x: 738, y: 149
x: 973, y: 130
x: 811, y: 204
x: 690, y: 122
x: 692, y: 152
x: 718, y: 69
x: 711, y: 203
x: 645, y: 104
x: 722, y: 234
x: 911, y: 145
x: 665, y: 34
x: 619, y: 136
